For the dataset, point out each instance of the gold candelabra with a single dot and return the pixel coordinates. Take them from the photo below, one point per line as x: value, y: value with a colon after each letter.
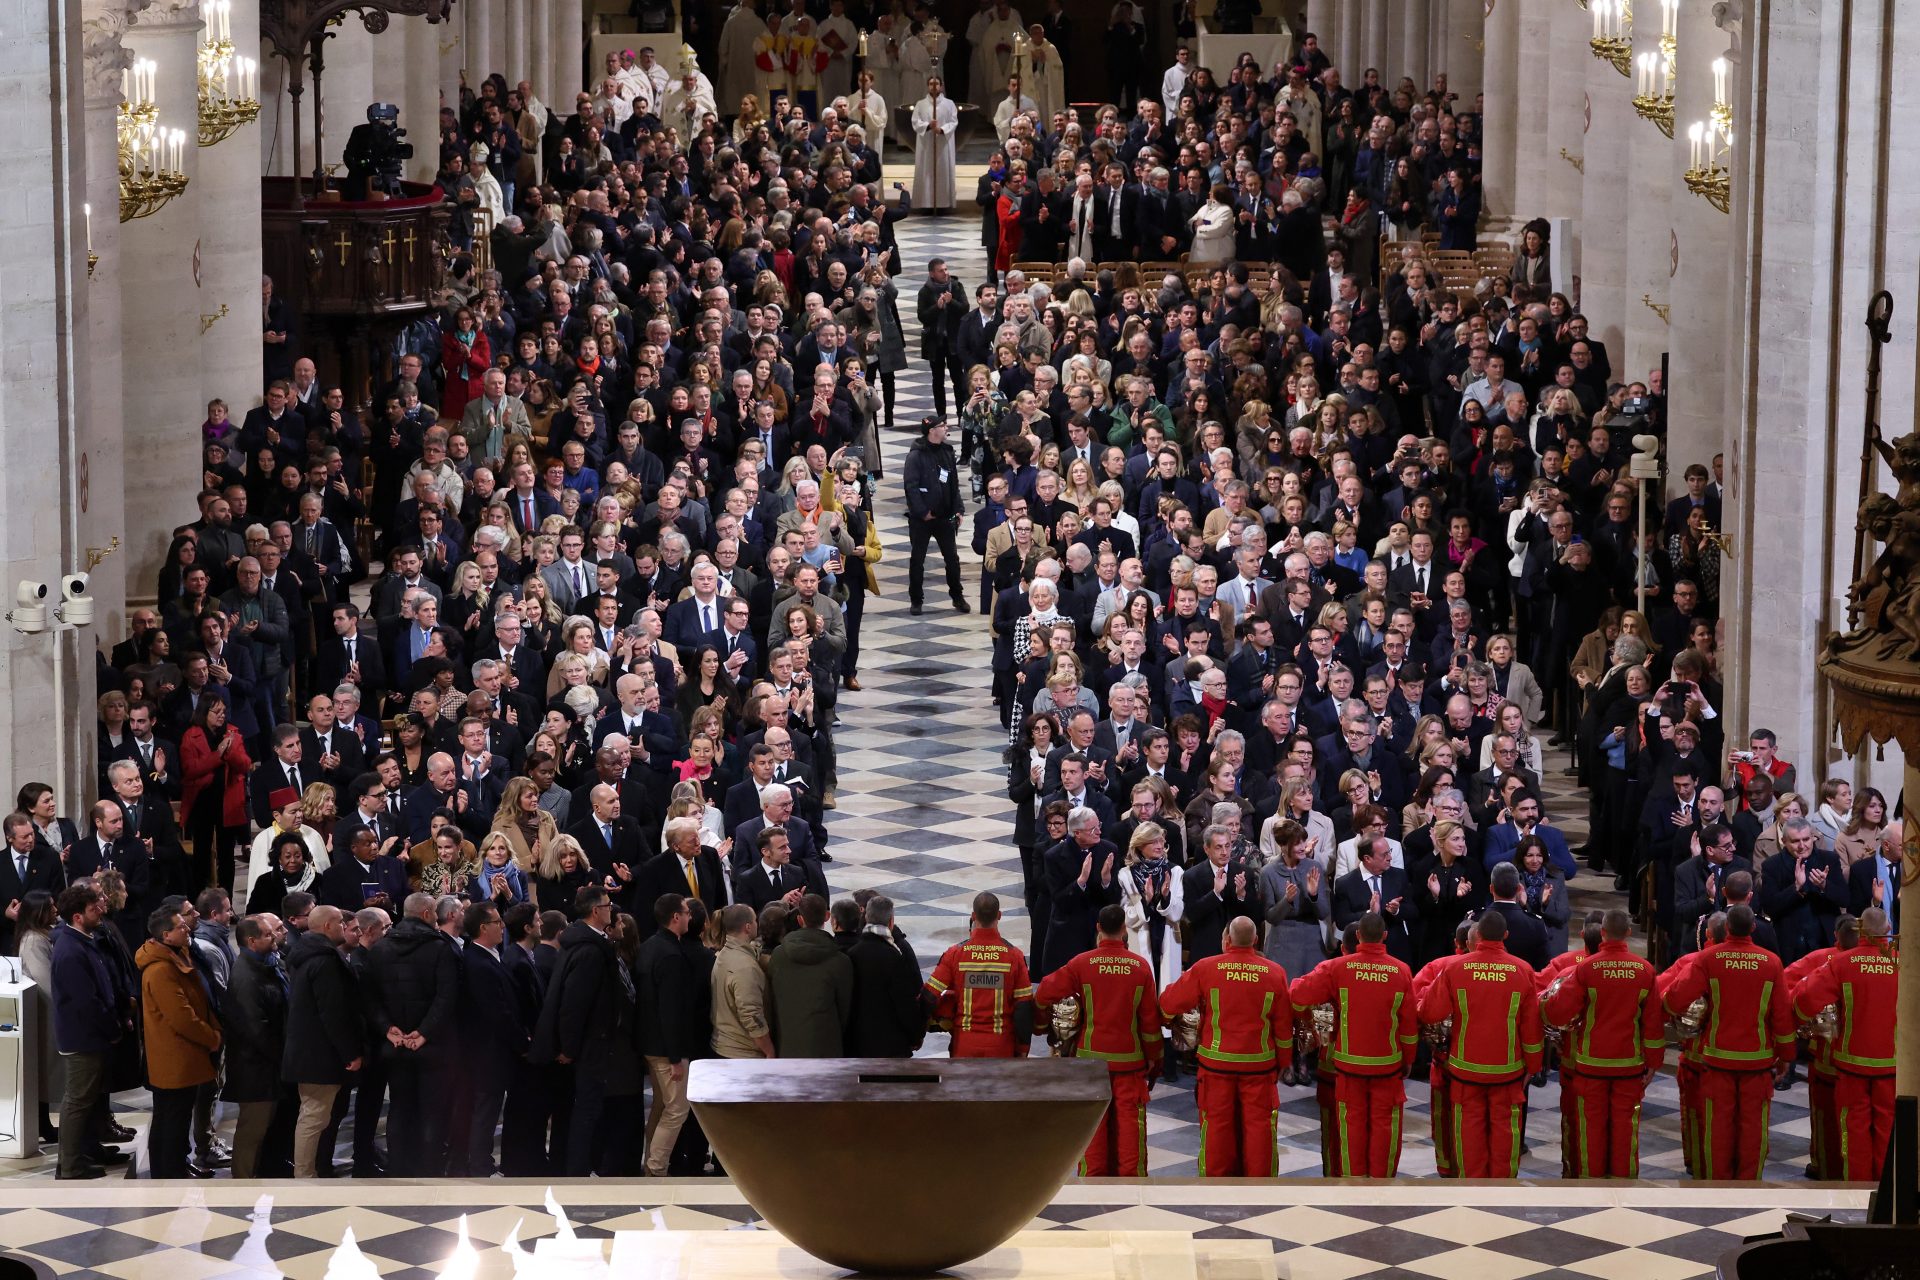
x: 1612, y: 41
x: 152, y: 158
x: 1706, y: 176
x: 1655, y: 100
x: 229, y: 85
x: 1661, y: 309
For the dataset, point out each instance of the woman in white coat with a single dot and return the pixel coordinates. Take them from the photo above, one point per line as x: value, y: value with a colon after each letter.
x: 1150, y: 894
x: 1213, y: 227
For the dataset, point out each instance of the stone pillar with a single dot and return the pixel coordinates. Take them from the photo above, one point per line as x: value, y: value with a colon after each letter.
x: 228, y: 249
x: 540, y: 53
x: 1501, y: 125
x: 480, y: 34
x: 346, y: 89
x: 1414, y: 35
x: 451, y: 52
x: 1376, y: 41
x: 1650, y: 264
x: 103, y: 28
x: 1348, y: 18
x: 1461, y: 56
x: 515, y: 67
x: 1534, y: 162
x: 1704, y: 283
x: 161, y: 307
x: 1322, y: 19
x: 1566, y: 88
x: 569, y: 52
x: 1603, y: 232
x: 44, y: 410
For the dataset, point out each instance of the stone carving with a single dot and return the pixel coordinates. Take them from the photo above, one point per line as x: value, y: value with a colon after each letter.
x: 168, y: 13
x: 104, y: 54
x: 1731, y: 16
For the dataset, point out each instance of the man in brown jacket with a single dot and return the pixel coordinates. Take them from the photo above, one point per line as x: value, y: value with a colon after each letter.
x: 181, y: 1035
x: 740, y: 1026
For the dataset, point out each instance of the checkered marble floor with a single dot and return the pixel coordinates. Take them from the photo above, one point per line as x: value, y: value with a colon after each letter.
x: 1318, y: 1231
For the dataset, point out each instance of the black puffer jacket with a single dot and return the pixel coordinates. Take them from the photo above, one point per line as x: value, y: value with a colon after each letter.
x: 413, y: 983
x: 253, y: 1018
x: 323, y: 1029
x: 590, y: 1009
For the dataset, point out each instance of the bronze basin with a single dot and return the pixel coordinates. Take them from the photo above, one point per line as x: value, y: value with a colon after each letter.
x: 895, y: 1166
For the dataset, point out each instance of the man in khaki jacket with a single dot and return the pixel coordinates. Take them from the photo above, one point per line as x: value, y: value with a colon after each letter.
x: 740, y: 1026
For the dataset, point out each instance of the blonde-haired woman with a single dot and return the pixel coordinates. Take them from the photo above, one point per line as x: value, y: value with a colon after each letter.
x: 1150, y: 894
x: 562, y: 873
x: 526, y: 827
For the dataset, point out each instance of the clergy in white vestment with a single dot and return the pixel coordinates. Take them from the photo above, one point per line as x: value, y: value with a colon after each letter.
x: 493, y: 201
x: 686, y: 105
x: 770, y: 64
x: 1044, y: 79
x: 993, y: 51
x: 934, y: 119
x: 1010, y: 106
x: 737, y: 36
x: 868, y: 109
x: 840, y: 36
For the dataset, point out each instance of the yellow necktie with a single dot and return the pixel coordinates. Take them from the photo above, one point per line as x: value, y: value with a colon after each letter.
x: 693, y: 879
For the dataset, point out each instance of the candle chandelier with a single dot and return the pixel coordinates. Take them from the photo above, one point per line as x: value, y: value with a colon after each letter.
x: 1613, y: 33
x: 229, y: 85
x: 1654, y: 101
x: 152, y: 158
x: 1709, y: 172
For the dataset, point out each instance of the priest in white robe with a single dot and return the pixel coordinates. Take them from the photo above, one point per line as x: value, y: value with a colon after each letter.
x: 993, y: 51
x: 686, y: 105
x: 1011, y: 106
x: 838, y: 34
x: 1042, y: 77
x: 868, y: 109
x: 886, y: 46
x: 934, y: 120
x: 737, y: 36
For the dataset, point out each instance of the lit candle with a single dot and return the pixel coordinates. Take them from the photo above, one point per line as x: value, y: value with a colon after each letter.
x: 1668, y: 10
x: 1646, y: 74
x: 1695, y: 132
x: 1599, y: 18
x: 1719, y: 80
x: 226, y: 20
x: 126, y: 86
x: 253, y: 80
x: 87, y: 209
x: 180, y: 150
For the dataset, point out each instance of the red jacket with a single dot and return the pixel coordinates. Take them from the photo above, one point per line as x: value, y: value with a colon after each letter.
x: 1495, y: 1008
x: 1119, y: 1006
x: 1557, y: 966
x: 1375, y: 1031
x: 1863, y: 983
x: 978, y: 984
x: 1798, y: 972
x: 1749, y: 1018
x: 1246, y: 1019
x: 199, y: 766
x: 1622, y: 1029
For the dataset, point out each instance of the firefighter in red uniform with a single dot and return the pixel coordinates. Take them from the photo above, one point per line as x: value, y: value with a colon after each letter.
x: 1246, y: 1037
x: 1823, y: 1122
x: 1439, y: 1096
x: 1748, y: 1036
x: 1861, y: 982
x: 1325, y: 1076
x: 1492, y: 998
x: 1375, y: 1038
x: 1608, y: 1058
x: 981, y: 987
x: 1119, y: 1025
x: 1686, y: 1072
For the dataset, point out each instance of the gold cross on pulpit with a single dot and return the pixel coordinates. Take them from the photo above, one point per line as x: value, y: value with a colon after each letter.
x: 344, y: 243
x: 409, y: 246
x: 389, y: 242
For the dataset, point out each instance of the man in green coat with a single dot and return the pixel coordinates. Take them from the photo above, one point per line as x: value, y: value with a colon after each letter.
x: 812, y: 982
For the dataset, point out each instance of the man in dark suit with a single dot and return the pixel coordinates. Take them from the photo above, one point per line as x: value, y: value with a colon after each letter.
x: 442, y: 790
x: 287, y: 768
x: 1077, y: 790
x: 609, y: 838
x: 494, y: 1033
x: 684, y: 868
x: 1526, y: 936
x: 346, y: 656
x: 973, y: 336
x: 1083, y: 875
x: 1484, y: 787
x: 364, y: 878
x: 1700, y: 883
x: 1376, y: 885
x: 1108, y: 243
x: 772, y: 878
x: 1802, y: 890
x: 106, y: 846
x: 158, y: 758
x: 527, y: 505
x: 368, y: 805
x: 25, y: 868
x: 148, y: 822
x: 776, y: 813
x: 482, y: 774
x: 1217, y: 890
x: 1875, y: 881
x: 335, y: 753
x: 742, y: 801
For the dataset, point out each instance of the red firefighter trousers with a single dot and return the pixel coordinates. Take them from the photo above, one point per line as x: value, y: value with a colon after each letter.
x: 1236, y: 1122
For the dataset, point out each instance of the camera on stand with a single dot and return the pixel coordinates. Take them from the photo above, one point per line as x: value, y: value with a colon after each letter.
x: 375, y: 153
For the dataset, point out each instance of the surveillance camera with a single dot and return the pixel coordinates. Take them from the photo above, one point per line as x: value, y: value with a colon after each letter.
x: 29, y: 616
x: 1648, y: 445
x: 73, y: 586
x: 29, y: 594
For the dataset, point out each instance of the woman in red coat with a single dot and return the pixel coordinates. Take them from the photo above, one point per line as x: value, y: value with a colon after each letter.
x: 1007, y: 210
x: 464, y: 356
x: 213, y: 791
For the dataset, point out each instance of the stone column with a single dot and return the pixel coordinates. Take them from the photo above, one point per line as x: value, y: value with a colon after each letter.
x: 228, y: 249
x: 1501, y: 124
x: 480, y: 35
x: 1651, y: 262
x: 102, y: 31
x: 412, y: 44
x: 451, y: 51
x: 1534, y: 161
x: 540, y: 52
x: 1322, y: 19
x: 46, y: 419
x: 569, y: 50
x: 1376, y: 47
x: 1566, y: 88
x: 1603, y: 233
x: 161, y: 307
x: 1348, y: 17
x: 1461, y: 56
x: 346, y: 88
x: 515, y: 68
x: 1414, y: 35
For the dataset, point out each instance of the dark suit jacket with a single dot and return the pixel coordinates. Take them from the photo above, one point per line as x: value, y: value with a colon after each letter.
x: 156, y: 824
x: 628, y: 847
x: 662, y: 874
x: 1352, y: 894
x: 1074, y: 908
x: 1207, y: 913
x: 342, y: 885
x: 129, y: 857
x: 801, y: 852
x: 43, y: 872
x: 494, y: 1032
x: 1803, y: 919
x: 330, y: 666
x: 1526, y: 936
x: 346, y: 745
x: 754, y: 889
x: 1860, y: 878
